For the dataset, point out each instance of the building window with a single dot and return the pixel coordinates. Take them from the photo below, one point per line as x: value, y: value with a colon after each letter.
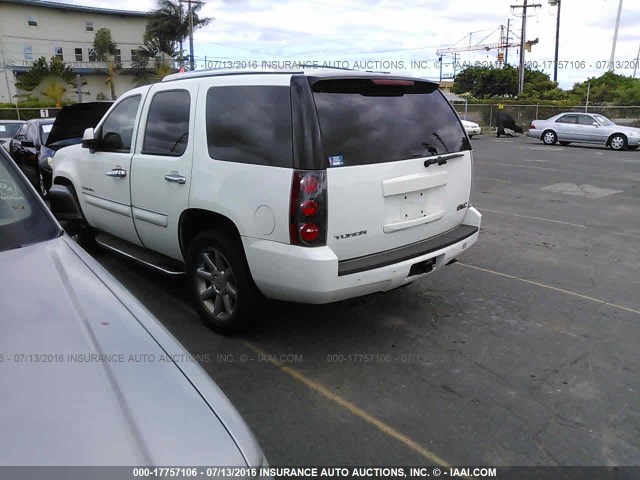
x: 134, y: 55
x: 32, y: 21
x: 57, y: 52
x: 79, y: 55
x: 118, y: 56
x: 92, y: 55
x: 88, y: 26
x: 28, y: 52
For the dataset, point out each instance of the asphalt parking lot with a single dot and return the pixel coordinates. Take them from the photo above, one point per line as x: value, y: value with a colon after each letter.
x: 523, y: 353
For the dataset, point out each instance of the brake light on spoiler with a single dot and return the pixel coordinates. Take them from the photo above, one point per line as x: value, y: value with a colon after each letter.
x: 388, y: 81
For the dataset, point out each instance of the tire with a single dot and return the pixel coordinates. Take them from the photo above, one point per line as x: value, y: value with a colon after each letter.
x: 549, y: 137
x: 564, y: 144
x: 220, y: 281
x: 618, y: 142
x: 86, y: 236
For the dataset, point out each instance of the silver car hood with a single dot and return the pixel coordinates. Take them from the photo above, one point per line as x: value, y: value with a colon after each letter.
x: 62, y: 404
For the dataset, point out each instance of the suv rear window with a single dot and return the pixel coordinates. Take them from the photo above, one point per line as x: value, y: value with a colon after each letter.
x: 250, y: 124
x: 362, y: 122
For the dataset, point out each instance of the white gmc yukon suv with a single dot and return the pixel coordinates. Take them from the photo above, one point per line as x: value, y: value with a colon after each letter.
x: 307, y: 186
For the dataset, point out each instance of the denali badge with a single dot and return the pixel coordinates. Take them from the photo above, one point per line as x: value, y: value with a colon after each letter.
x: 349, y: 235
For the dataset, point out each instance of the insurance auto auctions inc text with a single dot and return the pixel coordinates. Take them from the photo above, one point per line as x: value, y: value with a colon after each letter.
x: 376, y: 472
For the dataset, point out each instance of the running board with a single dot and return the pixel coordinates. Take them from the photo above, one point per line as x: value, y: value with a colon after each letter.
x: 145, y: 257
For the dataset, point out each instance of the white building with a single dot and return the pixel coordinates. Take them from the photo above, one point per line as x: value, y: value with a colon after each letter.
x: 30, y: 29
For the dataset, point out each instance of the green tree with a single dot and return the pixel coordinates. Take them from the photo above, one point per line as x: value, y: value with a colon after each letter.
x: 49, y: 79
x: 168, y: 27
x: 609, y: 88
x: 106, y: 49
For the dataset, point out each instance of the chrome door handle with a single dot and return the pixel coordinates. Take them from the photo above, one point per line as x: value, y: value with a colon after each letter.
x: 117, y: 172
x: 176, y: 178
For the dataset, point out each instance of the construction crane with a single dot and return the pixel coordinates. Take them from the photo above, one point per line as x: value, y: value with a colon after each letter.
x: 502, y: 45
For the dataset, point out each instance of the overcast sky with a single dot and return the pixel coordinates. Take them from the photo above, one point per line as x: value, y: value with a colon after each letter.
x: 401, y: 32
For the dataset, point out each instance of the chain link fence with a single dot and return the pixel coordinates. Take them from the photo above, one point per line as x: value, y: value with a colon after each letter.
x: 485, y: 114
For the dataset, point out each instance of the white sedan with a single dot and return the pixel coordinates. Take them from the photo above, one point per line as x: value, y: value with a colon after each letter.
x: 471, y: 128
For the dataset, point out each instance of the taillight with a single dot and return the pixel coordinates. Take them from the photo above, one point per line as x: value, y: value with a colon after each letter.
x: 532, y: 126
x: 308, y: 208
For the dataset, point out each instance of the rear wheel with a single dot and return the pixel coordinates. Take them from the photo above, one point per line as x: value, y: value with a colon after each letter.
x: 220, y: 281
x: 565, y: 143
x: 618, y: 142
x: 549, y: 137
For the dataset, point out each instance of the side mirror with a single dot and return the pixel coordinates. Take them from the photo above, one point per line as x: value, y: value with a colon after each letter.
x: 64, y: 207
x: 112, y: 141
x: 27, y: 144
x: 89, y: 139
x: 595, y: 124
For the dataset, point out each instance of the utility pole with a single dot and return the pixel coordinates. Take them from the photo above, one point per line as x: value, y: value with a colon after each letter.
x: 555, y: 64
x: 190, y: 19
x: 79, y: 87
x: 635, y: 65
x: 525, y: 6
x: 506, y: 52
x: 615, y: 38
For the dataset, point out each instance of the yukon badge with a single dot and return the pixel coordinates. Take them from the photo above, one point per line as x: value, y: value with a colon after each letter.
x: 349, y: 235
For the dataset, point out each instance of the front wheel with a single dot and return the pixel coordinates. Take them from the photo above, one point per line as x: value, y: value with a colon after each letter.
x: 618, y: 142
x: 549, y: 137
x: 221, y: 282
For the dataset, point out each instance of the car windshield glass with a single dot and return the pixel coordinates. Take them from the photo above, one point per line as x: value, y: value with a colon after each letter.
x: 604, y: 121
x: 8, y: 130
x: 23, y: 217
x: 44, y: 131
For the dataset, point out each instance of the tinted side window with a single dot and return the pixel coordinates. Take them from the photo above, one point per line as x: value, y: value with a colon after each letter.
x: 567, y: 119
x: 250, y: 125
x: 585, y: 120
x: 167, y: 131
x: 117, y: 129
x: 362, y: 122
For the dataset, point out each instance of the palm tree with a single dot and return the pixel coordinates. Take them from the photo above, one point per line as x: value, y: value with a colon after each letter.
x: 169, y: 24
x: 50, y: 79
x: 105, y: 52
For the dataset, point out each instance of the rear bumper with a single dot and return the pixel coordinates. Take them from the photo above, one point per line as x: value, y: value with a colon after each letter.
x: 534, y: 133
x: 314, y: 275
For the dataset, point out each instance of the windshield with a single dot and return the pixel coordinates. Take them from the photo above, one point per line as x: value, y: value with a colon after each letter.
x: 604, y: 121
x: 23, y: 218
x: 8, y: 130
x: 44, y: 132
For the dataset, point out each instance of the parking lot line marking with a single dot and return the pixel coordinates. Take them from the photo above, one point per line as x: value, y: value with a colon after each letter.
x: 493, y: 179
x: 561, y: 290
x: 529, y: 216
x: 355, y: 410
x: 627, y: 235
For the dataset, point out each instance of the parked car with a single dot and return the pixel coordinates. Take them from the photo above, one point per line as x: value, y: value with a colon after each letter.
x: 25, y: 149
x: 50, y: 135
x: 68, y: 127
x: 585, y: 128
x: 89, y: 376
x: 8, y: 129
x: 310, y: 186
x: 471, y: 128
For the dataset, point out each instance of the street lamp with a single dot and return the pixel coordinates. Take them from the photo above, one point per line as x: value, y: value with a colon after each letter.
x: 615, y: 38
x: 555, y: 65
